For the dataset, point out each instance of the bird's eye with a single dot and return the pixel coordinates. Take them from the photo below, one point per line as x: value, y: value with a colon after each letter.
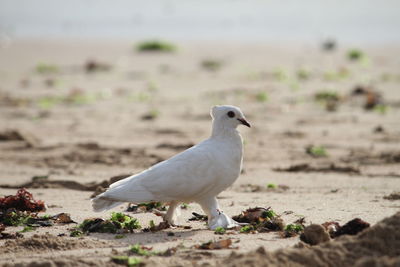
x: 231, y: 114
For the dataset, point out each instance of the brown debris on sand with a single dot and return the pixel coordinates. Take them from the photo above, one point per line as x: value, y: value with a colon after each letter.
x: 155, y: 207
x: 252, y: 215
x: 4, y: 235
x: 393, y: 196
x: 352, y: 227
x: 18, y: 135
x: 220, y: 244
x: 44, y: 182
x: 94, y: 65
x: 368, y: 157
x: 22, y: 210
x: 260, y: 219
x: 376, y: 246
x: 159, y: 227
x: 178, y: 147
x: 22, y: 201
x: 251, y: 188
x: 102, y: 187
x: 372, y: 98
x: 318, y: 233
x: 331, y: 167
x: 11, y: 135
x: 92, y: 153
x: 293, y: 134
x: 62, y: 218
x: 10, y: 235
x: 198, y: 217
x: 331, y: 227
x: 68, y: 157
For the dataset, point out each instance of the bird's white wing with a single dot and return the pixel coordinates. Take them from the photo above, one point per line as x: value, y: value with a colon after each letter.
x: 184, y: 176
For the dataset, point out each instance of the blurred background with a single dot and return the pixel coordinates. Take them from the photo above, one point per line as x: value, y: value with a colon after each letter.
x: 353, y: 21
x: 150, y: 60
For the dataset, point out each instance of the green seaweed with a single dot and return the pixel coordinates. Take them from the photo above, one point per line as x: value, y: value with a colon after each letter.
x: 155, y: 46
x: 341, y: 74
x: 271, y: 186
x: 292, y: 230
x: 45, y: 68
x: 126, y: 222
x: 16, y: 218
x: 262, y: 97
x: 152, y: 86
x: 76, y: 233
x: 140, y: 97
x: 126, y: 260
x: 28, y: 229
x: 150, y: 115
x: 355, y: 54
x: 211, y: 64
x: 303, y: 74
x: 152, y: 224
x: 280, y: 74
x: 381, y: 109
x: 268, y: 214
x: 100, y: 226
x: 47, y: 102
x: 46, y: 217
x: 220, y: 230
x: 139, y: 250
x: 316, y: 151
x: 327, y: 95
x: 246, y: 229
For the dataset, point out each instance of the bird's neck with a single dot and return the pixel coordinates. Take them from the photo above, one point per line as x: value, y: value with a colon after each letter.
x: 220, y: 130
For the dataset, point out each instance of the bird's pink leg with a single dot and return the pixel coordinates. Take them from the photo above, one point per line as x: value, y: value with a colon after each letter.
x: 171, y: 215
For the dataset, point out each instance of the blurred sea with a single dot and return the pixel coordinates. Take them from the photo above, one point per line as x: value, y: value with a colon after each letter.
x: 348, y: 21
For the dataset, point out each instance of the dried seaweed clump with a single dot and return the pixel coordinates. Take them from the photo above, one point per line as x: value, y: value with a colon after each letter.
x: 260, y: 219
x: 20, y: 209
x: 22, y: 201
x: 118, y: 223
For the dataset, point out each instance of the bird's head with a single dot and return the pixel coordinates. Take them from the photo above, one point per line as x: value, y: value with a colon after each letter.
x: 228, y: 116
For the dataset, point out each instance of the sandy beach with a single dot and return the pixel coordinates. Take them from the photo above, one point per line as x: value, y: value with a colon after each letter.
x: 91, y: 110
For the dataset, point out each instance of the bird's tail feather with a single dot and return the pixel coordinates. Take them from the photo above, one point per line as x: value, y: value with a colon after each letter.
x: 102, y: 203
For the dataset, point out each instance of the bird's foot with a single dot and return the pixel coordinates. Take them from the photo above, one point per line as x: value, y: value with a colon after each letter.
x: 165, y: 217
x: 222, y: 220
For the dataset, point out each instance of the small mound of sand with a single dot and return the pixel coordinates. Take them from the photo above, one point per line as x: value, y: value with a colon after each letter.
x: 44, y: 243
x: 378, y: 244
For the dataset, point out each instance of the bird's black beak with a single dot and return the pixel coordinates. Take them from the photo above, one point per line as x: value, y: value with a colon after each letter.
x: 244, y: 122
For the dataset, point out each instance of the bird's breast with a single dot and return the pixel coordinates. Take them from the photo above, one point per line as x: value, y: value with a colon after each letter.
x: 229, y: 157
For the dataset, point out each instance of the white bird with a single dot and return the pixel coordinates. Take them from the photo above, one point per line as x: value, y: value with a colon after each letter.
x: 197, y: 174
